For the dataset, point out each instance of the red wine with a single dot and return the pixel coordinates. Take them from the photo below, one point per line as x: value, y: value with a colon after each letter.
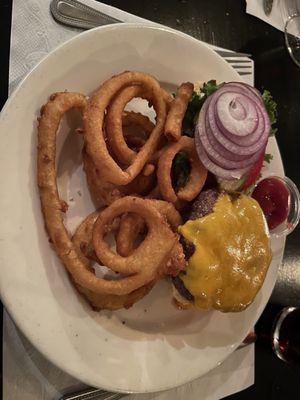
x: 286, y: 335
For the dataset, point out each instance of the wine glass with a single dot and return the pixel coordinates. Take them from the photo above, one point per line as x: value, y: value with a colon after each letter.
x: 278, y: 329
x: 286, y: 335
x: 290, y: 10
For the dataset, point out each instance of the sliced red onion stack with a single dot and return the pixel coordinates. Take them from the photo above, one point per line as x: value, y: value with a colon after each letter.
x: 232, y: 130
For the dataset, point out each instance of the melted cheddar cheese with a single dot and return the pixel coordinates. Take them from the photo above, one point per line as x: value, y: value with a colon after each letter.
x: 232, y: 254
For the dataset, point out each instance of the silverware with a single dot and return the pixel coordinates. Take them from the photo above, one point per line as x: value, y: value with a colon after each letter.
x: 242, y: 66
x: 76, y: 14
x: 231, y: 54
x: 267, y: 6
x: 292, y: 37
x: 93, y: 394
x: 237, y: 61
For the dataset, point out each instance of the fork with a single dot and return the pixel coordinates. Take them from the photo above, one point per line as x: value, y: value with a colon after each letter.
x: 93, y: 394
x: 76, y: 14
x: 241, y: 65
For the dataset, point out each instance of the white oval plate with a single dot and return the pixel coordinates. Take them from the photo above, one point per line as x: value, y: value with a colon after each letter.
x: 152, y: 346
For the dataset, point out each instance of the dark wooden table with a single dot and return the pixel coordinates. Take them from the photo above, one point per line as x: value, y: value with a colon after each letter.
x: 225, y: 23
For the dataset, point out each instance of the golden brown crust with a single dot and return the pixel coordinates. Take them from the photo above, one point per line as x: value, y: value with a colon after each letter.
x: 51, y: 207
x: 114, y: 302
x: 105, y: 193
x: 114, y: 122
x: 49, y: 121
x: 117, y: 163
x: 94, y: 118
x: 197, y: 175
x: 177, y: 110
x: 82, y: 239
x: 146, y: 260
x: 131, y: 225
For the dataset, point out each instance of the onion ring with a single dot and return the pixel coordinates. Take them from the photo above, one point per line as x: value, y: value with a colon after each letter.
x: 131, y: 225
x: 197, y: 175
x: 140, y: 128
x: 114, y: 302
x: 169, y: 212
x: 82, y: 239
x: 148, y: 169
x: 117, y: 138
x: 114, y: 122
x: 94, y: 118
x: 104, y: 193
x: 146, y: 260
x: 177, y: 111
x: 159, y: 241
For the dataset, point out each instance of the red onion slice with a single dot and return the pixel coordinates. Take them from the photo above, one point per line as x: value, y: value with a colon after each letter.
x: 218, y: 157
x: 236, y: 90
x: 249, y: 139
x: 214, y: 143
x: 242, y: 89
x: 232, y: 131
x: 228, y: 174
x: 236, y: 113
x: 231, y: 146
x: 221, y: 149
x: 250, y: 89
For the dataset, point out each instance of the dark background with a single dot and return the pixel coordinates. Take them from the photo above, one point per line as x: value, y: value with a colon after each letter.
x: 225, y: 23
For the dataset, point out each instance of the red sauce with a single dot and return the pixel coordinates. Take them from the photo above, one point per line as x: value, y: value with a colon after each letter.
x: 273, y: 197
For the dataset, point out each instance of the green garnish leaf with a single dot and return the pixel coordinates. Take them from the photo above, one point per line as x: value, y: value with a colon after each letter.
x: 180, y: 170
x: 271, y: 108
x: 210, y: 87
x: 195, y: 104
x: 268, y: 158
x: 270, y: 105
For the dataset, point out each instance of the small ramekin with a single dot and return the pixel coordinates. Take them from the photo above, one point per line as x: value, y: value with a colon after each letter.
x: 287, y: 227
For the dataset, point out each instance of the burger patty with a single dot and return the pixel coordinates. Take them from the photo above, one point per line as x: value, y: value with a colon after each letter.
x: 202, y: 206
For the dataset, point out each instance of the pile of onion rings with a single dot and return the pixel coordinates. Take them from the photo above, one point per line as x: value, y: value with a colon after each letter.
x: 128, y: 164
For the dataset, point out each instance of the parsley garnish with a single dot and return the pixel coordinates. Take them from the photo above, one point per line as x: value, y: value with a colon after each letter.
x: 180, y: 170
x: 271, y: 108
x: 268, y: 158
x: 196, y: 102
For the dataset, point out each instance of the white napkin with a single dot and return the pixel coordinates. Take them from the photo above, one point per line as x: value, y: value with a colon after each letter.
x: 281, y: 10
x: 27, y: 375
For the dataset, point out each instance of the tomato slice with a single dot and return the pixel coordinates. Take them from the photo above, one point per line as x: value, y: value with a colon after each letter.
x: 254, y: 172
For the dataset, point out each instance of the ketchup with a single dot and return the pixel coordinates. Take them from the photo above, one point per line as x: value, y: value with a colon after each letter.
x: 273, y: 197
